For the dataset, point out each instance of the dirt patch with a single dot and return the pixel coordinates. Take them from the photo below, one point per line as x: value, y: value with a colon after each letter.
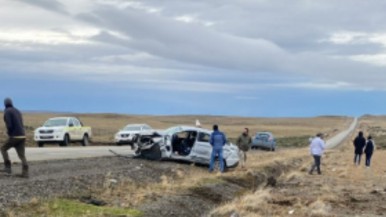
x: 210, y: 195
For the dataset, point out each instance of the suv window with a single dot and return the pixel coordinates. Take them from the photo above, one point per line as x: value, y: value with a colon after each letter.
x: 203, y: 137
x: 71, y: 122
x: 76, y: 122
x: 263, y: 136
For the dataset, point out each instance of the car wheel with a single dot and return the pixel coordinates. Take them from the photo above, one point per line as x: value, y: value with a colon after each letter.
x: 40, y: 144
x: 154, y: 153
x: 272, y: 149
x: 85, y: 141
x: 66, y: 140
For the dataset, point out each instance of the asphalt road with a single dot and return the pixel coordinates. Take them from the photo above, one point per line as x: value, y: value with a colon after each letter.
x: 63, y: 153
x: 342, y: 136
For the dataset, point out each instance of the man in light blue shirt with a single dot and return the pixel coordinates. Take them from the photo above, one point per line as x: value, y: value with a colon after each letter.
x: 217, y: 141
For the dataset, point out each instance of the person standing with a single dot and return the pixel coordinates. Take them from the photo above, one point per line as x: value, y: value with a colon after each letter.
x: 369, y: 150
x: 244, y: 143
x: 16, y: 137
x: 317, y: 147
x: 359, y: 144
x: 217, y: 141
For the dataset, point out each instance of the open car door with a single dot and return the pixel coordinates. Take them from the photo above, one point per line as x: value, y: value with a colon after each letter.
x: 166, y: 146
x: 182, y: 144
x: 202, y: 149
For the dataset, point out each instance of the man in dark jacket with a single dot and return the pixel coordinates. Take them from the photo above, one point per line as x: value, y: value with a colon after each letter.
x: 369, y: 150
x: 16, y: 137
x: 217, y: 140
x: 359, y: 144
x: 244, y: 143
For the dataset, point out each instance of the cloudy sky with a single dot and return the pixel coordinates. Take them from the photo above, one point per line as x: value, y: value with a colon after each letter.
x: 218, y: 57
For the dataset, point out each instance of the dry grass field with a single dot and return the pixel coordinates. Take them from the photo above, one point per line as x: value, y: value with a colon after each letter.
x: 342, y: 190
x: 376, y: 127
x: 104, y: 126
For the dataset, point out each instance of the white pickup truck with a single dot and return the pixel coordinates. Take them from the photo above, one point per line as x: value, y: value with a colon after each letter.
x: 62, y: 130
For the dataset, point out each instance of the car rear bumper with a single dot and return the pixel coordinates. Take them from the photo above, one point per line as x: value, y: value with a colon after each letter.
x: 263, y: 146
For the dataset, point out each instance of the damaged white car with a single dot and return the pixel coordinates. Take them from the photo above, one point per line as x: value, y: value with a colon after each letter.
x: 182, y: 143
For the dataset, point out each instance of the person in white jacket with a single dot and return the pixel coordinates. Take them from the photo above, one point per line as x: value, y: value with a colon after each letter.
x: 317, y: 147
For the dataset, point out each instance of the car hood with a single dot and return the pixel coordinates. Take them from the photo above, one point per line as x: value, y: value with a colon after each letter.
x: 151, y: 132
x: 50, y: 128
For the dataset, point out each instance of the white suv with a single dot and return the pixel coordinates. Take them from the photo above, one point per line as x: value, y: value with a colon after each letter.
x: 128, y: 134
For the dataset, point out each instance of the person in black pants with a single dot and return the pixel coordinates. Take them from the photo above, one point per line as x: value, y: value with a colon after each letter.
x: 359, y: 144
x: 369, y: 150
x: 16, y: 138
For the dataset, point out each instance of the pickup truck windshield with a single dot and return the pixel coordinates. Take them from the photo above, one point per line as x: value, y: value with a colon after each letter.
x: 132, y: 128
x: 55, y: 123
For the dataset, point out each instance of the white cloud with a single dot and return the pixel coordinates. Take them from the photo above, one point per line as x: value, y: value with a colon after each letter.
x: 346, y: 37
x: 170, y: 40
x: 331, y: 85
x: 194, y: 19
x: 49, y: 37
x: 186, y: 18
x: 374, y: 59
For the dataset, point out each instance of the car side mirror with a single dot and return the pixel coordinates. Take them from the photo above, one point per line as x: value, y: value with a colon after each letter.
x: 71, y: 125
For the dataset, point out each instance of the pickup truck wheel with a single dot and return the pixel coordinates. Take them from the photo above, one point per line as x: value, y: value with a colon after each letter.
x: 85, y: 141
x: 66, y: 140
x: 40, y: 144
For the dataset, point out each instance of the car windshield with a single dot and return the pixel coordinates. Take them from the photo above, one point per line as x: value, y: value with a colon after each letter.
x: 172, y: 130
x: 262, y: 136
x: 56, y: 122
x: 132, y: 128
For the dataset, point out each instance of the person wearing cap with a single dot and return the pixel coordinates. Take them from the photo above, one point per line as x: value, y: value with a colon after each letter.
x: 317, y: 147
x: 217, y: 141
x: 244, y: 143
x: 369, y: 150
x: 16, y: 137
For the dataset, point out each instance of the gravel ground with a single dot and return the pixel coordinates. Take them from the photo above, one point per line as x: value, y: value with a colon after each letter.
x: 72, y: 178
x: 82, y: 177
